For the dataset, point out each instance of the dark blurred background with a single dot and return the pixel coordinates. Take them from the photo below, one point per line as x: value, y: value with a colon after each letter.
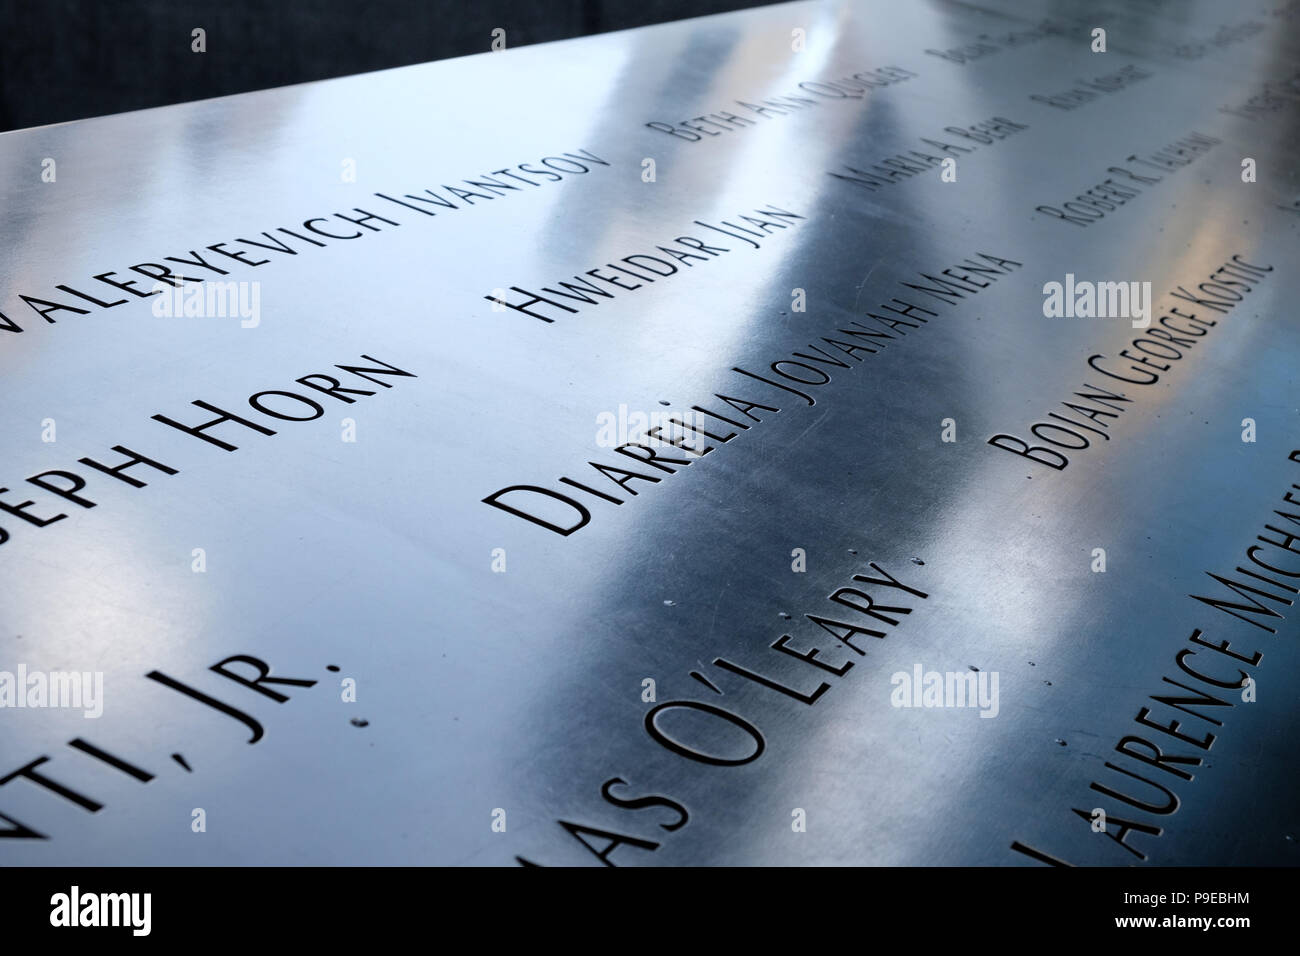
x: 68, y: 59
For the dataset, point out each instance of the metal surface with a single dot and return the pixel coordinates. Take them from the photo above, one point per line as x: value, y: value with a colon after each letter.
x: 493, y: 704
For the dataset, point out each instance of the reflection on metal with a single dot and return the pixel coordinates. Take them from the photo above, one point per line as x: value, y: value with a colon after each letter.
x: 811, y: 244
